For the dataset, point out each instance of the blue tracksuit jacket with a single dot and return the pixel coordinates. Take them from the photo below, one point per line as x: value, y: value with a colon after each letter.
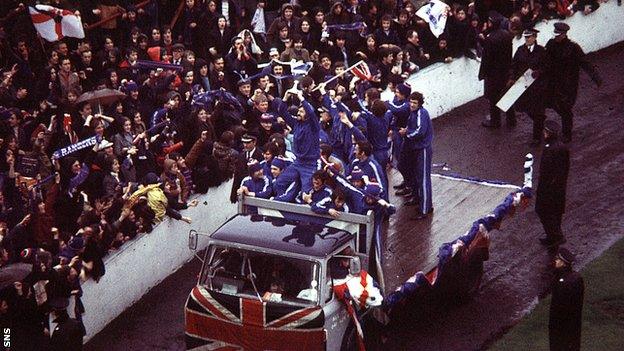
x: 419, y: 130
x: 262, y: 186
x: 306, y: 143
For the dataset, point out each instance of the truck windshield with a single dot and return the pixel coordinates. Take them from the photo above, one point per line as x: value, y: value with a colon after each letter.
x: 259, y: 275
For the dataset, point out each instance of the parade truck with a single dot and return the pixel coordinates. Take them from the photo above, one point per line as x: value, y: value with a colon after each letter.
x: 278, y: 276
x: 275, y: 277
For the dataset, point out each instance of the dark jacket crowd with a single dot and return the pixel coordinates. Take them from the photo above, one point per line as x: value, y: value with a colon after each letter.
x: 103, y: 137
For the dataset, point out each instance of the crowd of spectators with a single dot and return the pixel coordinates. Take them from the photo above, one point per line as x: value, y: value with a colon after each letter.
x: 157, y: 145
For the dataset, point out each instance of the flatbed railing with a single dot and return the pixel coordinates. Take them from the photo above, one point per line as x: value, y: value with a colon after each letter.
x: 266, y: 207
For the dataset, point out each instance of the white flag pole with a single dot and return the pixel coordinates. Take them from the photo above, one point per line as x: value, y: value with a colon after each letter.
x: 338, y: 75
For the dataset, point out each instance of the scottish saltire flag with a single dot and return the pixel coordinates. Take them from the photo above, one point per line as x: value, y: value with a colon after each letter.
x: 435, y: 13
x: 216, y: 321
x: 54, y: 24
x: 362, y: 71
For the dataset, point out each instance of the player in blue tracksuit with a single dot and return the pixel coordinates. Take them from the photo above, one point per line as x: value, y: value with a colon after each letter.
x: 418, y: 137
x: 271, y: 150
x: 369, y: 166
x: 284, y: 189
x: 305, y: 130
x: 331, y: 205
x: 362, y: 200
x: 399, y: 111
x: 257, y: 184
x: 319, y: 189
x: 339, y: 136
x: 362, y: 158
x: 378, y: 123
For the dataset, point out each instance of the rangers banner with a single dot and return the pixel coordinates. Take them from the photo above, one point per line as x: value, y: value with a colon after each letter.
x: 70, y: 149
x: 54, y: 24
x: 435, y: 13
x: 216, y: 321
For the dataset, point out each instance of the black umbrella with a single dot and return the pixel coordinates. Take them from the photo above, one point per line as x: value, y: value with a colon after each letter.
x: 101, y: 97
x: 14, y: 273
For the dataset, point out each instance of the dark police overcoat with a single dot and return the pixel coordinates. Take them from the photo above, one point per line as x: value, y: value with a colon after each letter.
x: 553, y: 178
x: 566, y: 309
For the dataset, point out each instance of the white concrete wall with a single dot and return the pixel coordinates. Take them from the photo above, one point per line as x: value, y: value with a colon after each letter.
x: 144, y: 262
x: 447, y: 86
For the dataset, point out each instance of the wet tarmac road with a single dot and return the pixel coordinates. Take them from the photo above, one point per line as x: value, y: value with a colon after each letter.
x: 517, y: 272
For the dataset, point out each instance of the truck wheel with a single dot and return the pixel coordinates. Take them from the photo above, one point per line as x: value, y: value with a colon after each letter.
x: 349, y: 340
x: 474, y: 280
x: 372, y: 335
x: 372, y: 330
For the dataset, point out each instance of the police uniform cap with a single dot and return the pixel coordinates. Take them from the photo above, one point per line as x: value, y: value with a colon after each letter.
x: 248, y: 138
x: 561, y: 28
x: 552, y: 127
x: 565, y: 255
x: 530, y: 32
x: 58, y: 303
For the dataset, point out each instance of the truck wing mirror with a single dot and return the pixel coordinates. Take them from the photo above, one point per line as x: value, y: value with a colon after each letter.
x: 192, y: 239
x: 355, y: 266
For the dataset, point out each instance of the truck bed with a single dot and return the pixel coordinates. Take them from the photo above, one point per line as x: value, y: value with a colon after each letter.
x: 412, y: 246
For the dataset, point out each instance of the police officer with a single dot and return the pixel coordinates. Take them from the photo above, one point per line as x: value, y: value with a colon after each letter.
x: 418, y: 138
x: 494, y: 69
x: 564, y: 59
x: 566, y: 306
x: 551, y: 187
x: 531, y: 55
x: 65, y: 333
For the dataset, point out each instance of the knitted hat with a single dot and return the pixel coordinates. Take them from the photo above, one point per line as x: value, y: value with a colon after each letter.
x: 372, y: 190
x: 254, y: 167
x: 356, y: 174
x: 405, y: 89
x: 279, y: 163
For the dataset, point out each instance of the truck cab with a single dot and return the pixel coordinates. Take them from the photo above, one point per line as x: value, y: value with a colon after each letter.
x: 268, y: 278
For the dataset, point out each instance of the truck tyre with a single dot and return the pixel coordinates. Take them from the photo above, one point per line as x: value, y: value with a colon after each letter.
x: 474, y: 279
x: 372, y: 330
x: 372, y: 335
x: 349, y: 340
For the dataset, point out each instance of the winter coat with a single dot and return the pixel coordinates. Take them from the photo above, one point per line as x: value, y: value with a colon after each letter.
x: 566, y: 309
x: 495, y: 63
x: 532, y: 101
x: 553, y: 178
x: 563, y: 63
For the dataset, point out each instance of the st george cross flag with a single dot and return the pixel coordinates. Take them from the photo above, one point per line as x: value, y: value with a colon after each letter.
x: 54, y: 24
x: 435, y: 13
x: 362, y: 71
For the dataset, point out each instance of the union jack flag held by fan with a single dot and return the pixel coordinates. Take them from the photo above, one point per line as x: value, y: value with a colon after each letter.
x: 216, y: 321
x: 362, y: 71
x: 54, y: 24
